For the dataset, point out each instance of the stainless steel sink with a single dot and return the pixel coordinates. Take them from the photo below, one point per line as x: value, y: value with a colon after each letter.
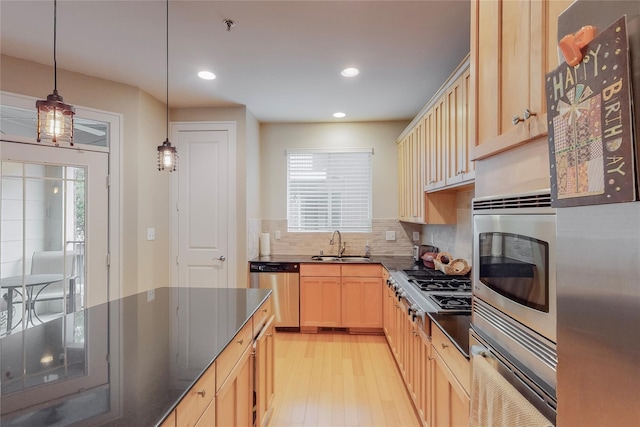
x: 325, y: 258
x: 355, y: 259
x: 346, y: 258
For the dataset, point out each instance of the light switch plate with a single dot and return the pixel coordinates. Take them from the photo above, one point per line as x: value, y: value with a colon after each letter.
x: 416, y: 236
x: 151, y: 295
x: 391, y: 235
x: 277, y: 234
x: 151, y: 234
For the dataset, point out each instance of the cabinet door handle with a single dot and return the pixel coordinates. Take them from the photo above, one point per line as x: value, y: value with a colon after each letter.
x: 202, y: 392
x: 265, y: 310
x: 527, y: 115
x: 444, y: 345
x: 240, y: 341
x: 516, y: 119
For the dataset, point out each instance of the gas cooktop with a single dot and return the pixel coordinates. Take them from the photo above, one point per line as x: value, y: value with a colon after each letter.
x: 448, y: 293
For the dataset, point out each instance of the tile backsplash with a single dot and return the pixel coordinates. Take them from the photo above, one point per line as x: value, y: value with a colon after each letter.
x: 296, y: 243
x: 456, y: 239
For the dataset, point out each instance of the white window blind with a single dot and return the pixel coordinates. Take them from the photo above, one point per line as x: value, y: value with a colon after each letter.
x: 329, y: 190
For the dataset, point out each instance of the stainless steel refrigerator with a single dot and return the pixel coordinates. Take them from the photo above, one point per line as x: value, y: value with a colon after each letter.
x: 598, y: 278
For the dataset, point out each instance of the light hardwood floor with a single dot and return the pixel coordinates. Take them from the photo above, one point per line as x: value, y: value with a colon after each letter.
x: 331, y: 380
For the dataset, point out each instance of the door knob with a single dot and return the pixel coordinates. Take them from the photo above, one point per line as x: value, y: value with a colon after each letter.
x: 220, y: 258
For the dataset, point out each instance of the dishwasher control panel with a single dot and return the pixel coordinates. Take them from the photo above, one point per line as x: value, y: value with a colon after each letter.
x: 274, y: 267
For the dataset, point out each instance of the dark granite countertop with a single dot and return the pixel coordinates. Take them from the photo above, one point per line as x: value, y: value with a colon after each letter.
x: 456, y: 328
x: 391, y: 263
x: 124, y: 363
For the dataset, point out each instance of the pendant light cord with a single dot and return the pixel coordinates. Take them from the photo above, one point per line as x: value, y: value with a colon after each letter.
x: 167, y: 113
x: 55, y: 31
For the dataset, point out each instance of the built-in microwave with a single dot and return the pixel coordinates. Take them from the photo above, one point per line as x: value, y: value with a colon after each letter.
x: 514, y: 279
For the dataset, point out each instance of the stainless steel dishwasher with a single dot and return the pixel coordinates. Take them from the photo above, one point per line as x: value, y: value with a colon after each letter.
x: 283, y: 278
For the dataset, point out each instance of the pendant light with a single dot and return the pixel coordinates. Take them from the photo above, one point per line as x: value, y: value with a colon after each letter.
x: 167, y: 155
x: 55, y: 118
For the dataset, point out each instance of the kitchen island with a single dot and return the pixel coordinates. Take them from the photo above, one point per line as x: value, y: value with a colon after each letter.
x: 128, y: 362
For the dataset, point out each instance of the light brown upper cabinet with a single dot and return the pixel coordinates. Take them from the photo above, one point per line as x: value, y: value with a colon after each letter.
x: 434, y: 154
x: 458, y: 165
x: 513, y: 46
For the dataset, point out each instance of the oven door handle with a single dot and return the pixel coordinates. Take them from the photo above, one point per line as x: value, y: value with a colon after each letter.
x: 479, y: 350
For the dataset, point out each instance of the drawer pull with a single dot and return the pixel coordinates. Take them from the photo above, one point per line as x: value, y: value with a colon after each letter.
x: 202, y: 392
x: 444, y: 345
x: 240, y: 341
x: 264, y: 309
x: 269, y: 335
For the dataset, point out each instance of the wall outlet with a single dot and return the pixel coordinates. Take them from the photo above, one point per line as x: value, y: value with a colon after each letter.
x: 277, y: 234
x: 151, y: 234
x: 416, y: 236
x: 151, y: 295
x: 391, y: 235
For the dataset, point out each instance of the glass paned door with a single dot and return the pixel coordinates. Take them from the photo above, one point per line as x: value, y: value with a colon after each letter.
x: 47, y: 234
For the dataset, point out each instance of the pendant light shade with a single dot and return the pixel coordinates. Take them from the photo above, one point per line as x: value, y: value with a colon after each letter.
x: 55, y: 118
x: 167, y: 154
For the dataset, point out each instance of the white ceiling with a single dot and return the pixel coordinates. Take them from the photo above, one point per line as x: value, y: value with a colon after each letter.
x: 282, y: 59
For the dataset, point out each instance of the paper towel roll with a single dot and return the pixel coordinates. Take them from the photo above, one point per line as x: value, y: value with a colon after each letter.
x: 265, y: 244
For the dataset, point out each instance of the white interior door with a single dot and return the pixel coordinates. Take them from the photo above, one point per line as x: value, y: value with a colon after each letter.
x: 203, y: 193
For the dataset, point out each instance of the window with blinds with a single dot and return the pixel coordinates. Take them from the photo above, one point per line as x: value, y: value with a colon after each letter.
x: 329, y: 191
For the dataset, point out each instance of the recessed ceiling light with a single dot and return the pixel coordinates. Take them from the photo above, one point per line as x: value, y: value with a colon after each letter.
x: 350, y: 72
x: 206, y: 75
x: 339, y: 115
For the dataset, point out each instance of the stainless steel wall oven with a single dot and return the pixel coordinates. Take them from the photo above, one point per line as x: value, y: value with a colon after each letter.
x: 514, y: 286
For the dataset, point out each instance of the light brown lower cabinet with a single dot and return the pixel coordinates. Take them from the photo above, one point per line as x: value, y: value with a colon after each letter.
x: 361, y: 302
x: 320, y: 302
x: 451, y: 382
x: 451, y: 403
x: 334, y: 295
x: 435, y: 373
x: 194, y: 404
x: 234, y: 399
x: 264, y: 353
x: 170, y: 421
x: 224, y: 395
x: 208, y: 418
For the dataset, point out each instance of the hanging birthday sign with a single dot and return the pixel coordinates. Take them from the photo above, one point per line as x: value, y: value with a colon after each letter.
x: 591, y: 147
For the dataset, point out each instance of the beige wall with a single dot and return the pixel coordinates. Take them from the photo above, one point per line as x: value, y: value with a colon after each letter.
x: 145, y: 191
x: 276, y: 138
x: 381, y: 136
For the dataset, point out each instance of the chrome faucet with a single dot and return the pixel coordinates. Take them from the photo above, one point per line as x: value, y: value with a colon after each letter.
x: 341, y: 246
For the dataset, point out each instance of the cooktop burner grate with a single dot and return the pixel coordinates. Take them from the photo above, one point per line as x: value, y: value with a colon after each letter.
x: 443, y: 285
x: 452, y: 302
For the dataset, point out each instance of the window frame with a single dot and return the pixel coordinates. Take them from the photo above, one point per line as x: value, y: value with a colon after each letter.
x: 352, y: 195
